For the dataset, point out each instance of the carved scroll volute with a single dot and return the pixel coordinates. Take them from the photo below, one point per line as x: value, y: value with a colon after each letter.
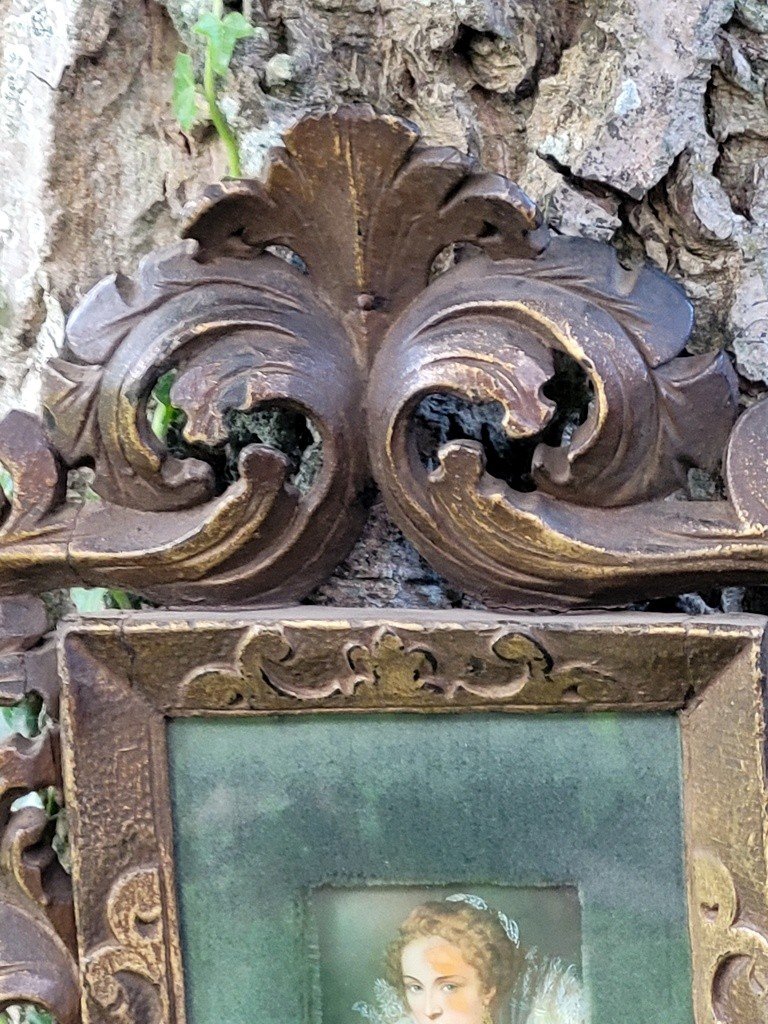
x: 599, y: 527
x: 365, y: 207
x: 37, y: 934
x: 134, y: 957
x: 351, y: 333
x: 240, y: 334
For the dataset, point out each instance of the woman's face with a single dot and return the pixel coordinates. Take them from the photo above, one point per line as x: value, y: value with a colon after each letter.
x: 440, y: 985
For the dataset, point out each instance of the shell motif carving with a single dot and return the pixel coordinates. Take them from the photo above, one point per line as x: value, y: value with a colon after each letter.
x: 352, y: 333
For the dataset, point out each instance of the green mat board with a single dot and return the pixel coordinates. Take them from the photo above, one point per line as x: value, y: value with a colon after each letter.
x: 282, y: 823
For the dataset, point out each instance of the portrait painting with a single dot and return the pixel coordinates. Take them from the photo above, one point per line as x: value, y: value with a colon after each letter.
x: 413, y: 955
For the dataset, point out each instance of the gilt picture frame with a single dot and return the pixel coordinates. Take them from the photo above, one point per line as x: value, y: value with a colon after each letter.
x: 234, y: 780
x: 127, y: 679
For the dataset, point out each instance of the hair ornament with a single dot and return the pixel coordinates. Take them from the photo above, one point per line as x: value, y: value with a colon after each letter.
x: 510, y: 927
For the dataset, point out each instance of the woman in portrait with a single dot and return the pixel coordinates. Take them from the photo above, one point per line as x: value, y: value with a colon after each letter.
x: 460, y: 962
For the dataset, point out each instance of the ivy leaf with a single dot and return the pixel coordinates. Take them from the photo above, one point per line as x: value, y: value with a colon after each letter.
x: 89, y: 599
x: 222, y: 35
x: 184, y: 92
x: 22, y: 718
x: 164, y: 413
x: 35, y: 1016
x: 6, y: 483
x: 121, y: 599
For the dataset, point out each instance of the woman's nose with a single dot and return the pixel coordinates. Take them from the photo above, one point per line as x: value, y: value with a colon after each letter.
x: 433, y: 1010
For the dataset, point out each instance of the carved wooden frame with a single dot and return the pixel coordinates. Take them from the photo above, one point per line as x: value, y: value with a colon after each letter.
x: 124, y: 677
x: 355, y: 332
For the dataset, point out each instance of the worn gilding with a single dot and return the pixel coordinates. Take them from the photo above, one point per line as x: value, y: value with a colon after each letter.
x: 125, y: 677
x: 352, y: 332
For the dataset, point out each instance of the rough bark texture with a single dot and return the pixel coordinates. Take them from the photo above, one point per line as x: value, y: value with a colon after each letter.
x: 630, y: 121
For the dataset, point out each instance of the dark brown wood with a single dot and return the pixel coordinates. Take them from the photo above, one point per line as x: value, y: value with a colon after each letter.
x: 353, y: 335
x: 37, y: 926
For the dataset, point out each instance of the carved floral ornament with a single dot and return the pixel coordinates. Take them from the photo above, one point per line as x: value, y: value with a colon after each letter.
x: 354, y: 336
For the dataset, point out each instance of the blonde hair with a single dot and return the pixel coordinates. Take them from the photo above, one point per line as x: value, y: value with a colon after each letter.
x: 478, y: 934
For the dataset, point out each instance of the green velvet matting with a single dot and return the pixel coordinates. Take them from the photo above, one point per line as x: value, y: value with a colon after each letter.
x: 267, y: 811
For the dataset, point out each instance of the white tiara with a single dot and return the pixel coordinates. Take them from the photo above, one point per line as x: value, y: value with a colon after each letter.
x: 510, y: 927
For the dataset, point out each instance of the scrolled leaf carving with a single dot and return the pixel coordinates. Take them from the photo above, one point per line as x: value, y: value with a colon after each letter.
x: 352, y: 333
x: 37, y: 930
x: 241, y: 334
x: 365, y: 188
x: 135, y: 955
x: 736, y: 950
x: 600, y: 525
x: 292, y: 666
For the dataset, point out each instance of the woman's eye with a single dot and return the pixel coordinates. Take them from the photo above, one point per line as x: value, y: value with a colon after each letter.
x: 413, y: 987
x: 449, y: 987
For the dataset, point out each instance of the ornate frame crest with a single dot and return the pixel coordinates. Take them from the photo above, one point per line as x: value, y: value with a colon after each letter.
x: 353, y: 334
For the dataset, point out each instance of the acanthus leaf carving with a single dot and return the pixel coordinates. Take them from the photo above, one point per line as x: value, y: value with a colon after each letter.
x: 287, y: 667
x: 37, y: 928
x: 483, y: 329
x: 352, y: 334
x: 273, y: 342
x: 599, y: 525
x: 366, y: 189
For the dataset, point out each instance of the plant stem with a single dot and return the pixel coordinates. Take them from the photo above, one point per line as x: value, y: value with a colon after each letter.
x: 220, y: 122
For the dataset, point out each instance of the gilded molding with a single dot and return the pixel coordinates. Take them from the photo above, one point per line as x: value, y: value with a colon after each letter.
x: 124, y: 679
x: 726, y: 828
x: 353, y: 332
x: 317, y: 664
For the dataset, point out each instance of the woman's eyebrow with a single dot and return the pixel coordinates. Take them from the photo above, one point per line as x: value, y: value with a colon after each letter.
x: 410, y: 977
x: 447, y: 977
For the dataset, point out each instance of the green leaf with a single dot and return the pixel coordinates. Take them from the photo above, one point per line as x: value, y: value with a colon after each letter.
x: 22, y: 718
x: 163, y: 412
x: 184, y: 92
x: 89, y: 599
x: 6, y: 483
x: 35, y: 1016
x: 222, y: 35
x: 161, y: 392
